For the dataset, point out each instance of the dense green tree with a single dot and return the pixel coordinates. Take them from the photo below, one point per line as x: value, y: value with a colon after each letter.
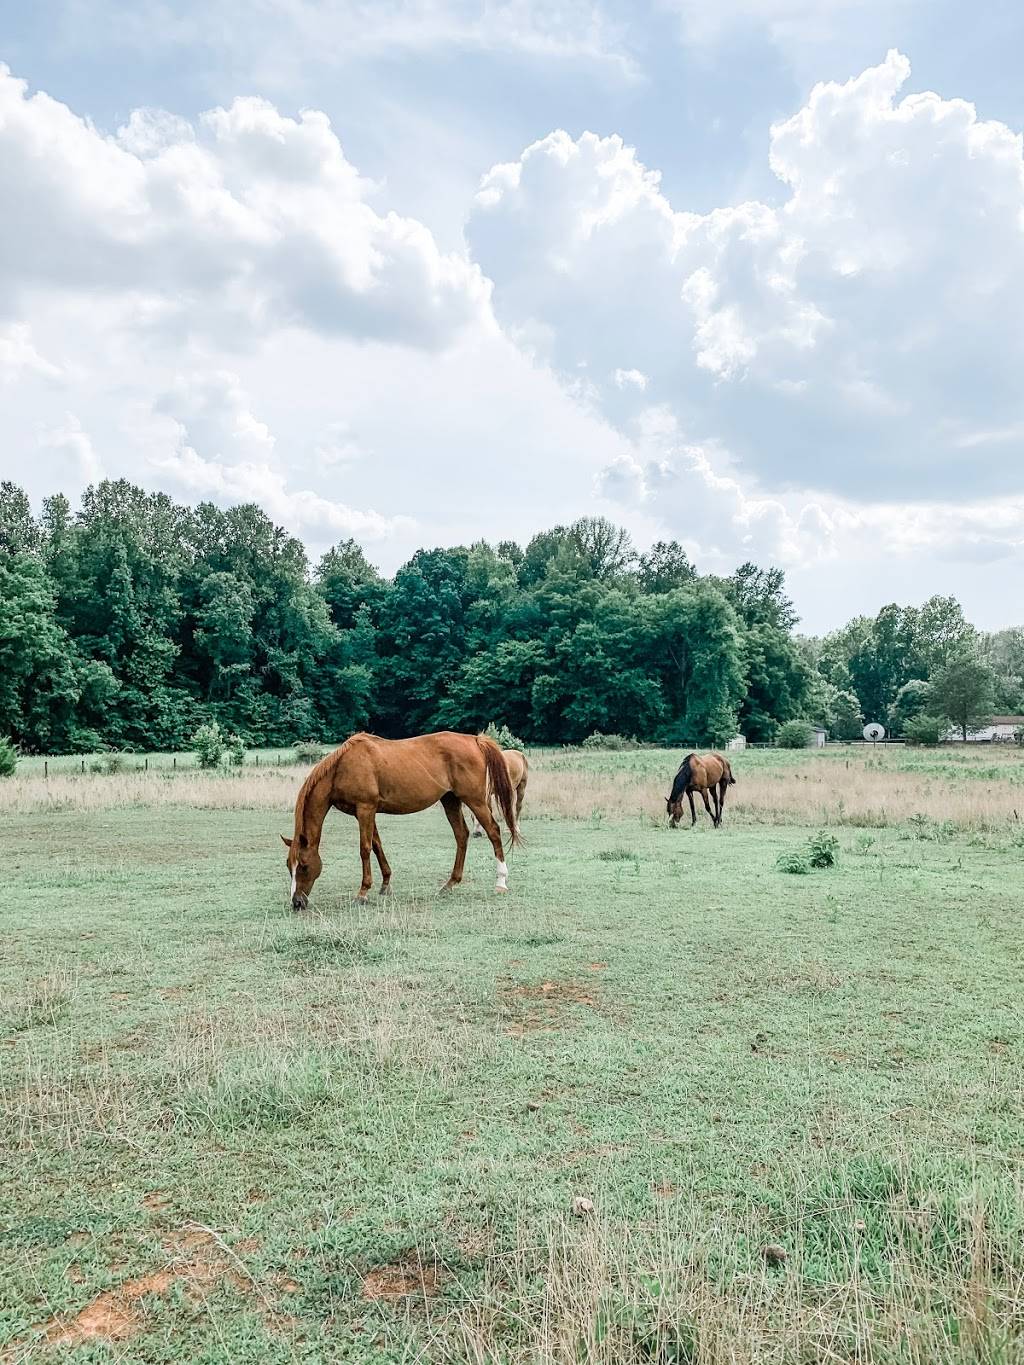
x: 963, y: 691
x: 38, y: 686
x: 133, y: 620
x: 663, y: 567
x: 910, y: 701
x: 19, y: 532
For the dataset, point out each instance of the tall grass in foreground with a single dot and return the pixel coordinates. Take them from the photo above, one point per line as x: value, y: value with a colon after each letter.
x: 879, y: 1276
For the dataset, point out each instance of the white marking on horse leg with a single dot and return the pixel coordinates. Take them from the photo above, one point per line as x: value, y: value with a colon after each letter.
x: 502, y: 883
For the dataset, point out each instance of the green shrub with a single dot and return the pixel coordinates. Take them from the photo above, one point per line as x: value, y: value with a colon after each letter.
x: 925, y: 729
x: 8, y: 758
x: 793, y: 861
x: 822, y: 849
x: 235, y: 747
x: 110, y: 764
x: 795, y: 734
x: 599, y: 741
x: 308, y: 751
x: 208, y: 745
x: 503, y: 737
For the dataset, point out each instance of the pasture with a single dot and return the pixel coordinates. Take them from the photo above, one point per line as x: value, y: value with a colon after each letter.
x: 662, y: 1102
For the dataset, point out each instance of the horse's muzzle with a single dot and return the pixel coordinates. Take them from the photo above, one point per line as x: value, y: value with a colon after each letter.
x: 299, y: 901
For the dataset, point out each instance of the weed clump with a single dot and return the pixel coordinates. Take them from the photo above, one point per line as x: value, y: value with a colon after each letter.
x: 820, y: 850
x: 613, y: 742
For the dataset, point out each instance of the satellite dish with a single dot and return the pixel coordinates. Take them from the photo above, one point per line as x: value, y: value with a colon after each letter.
x: 874, y: 731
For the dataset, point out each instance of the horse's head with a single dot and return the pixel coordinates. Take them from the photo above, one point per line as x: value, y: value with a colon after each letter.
x: 674, y: 808
x: 304, y: 866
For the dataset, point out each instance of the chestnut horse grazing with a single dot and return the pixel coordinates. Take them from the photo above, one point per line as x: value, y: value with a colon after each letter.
x: 701, y: 773
x: 518, y: 771
x: 367, y: 776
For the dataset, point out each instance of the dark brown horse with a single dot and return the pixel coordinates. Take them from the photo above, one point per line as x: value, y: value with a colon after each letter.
x: 701, y: 773
x: 367, y: 776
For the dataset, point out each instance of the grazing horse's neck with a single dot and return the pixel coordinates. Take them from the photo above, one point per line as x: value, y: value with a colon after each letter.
x: 313, y: 803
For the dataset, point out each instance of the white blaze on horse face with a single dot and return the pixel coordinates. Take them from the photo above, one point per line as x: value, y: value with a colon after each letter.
x: 502, y: 883
x: 295, y: 873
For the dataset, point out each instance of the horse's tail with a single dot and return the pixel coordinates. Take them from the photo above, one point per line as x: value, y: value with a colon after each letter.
x: 683, y: 778
x: 730, y: 780
x: 501, y: 787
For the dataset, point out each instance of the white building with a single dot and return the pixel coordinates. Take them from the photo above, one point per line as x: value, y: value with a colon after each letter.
x: 1002, y: 730
x: 818, y: 736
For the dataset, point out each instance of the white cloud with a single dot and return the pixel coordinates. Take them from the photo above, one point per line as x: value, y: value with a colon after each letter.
x: 853, y: 341
x: 219, y: 449
x: 77, y: 461
x: 18, y: 355
x: 271, y: 41
x: 626, y: 378
x: 248, y: 222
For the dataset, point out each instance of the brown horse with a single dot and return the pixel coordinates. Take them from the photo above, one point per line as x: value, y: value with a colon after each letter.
x: 367, y: 776
x: 518, y: 771
x: 701, y: 773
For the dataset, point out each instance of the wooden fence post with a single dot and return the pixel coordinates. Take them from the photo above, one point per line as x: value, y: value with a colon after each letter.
x: 46, y: 769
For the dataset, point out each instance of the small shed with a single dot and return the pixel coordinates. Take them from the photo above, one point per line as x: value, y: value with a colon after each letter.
x: 737, y: 742
x: 818, y: 736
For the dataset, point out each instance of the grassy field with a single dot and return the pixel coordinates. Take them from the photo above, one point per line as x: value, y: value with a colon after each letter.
x: 661, y: 1103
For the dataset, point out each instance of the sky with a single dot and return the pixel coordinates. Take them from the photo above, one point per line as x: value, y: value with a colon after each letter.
x: 747, y: 275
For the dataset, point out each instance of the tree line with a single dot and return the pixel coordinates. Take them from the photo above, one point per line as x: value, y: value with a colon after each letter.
x: 131, y: 621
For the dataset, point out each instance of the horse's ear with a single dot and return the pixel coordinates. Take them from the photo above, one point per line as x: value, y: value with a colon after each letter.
x: 303, y: 841
x: 286, y: 841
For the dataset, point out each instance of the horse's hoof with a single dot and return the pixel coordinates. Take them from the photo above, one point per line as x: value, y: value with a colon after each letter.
x: 385, y: 890
x: 501, y: 890
x: 362, y: 898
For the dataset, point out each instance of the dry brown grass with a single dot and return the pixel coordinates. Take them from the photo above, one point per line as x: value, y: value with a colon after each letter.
x: 819, y: 790
x: 814, y: 792
x: 598, y: 1293
x: 251, y: 789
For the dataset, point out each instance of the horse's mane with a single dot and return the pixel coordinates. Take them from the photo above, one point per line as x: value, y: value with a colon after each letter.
x: 325, y: 768
x: 682, y: 779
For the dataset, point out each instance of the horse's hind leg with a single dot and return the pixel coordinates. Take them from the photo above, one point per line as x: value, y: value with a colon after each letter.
x: 453, y: 809
x: 367, y: 817
x: 483, y: 814
x: 382, y: 862
x: 520, y: 797
x: 716, y: 819
x: 707, y: 804
x: 723, y: 787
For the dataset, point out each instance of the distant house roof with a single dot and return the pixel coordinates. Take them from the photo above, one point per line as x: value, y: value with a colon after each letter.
x: 1007, y: 720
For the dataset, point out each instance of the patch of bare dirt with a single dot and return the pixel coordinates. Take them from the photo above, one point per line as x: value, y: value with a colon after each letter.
x: 405, y: 1279
x: 197, y: 1259
x: 543, y: 1006
x: 155, y: 1200
x: 111, y: 1316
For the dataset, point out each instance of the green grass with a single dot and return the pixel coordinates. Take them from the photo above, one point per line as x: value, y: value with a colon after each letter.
x: 235, y: 1134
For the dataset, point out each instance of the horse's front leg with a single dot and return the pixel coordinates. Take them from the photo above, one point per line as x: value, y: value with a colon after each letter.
x: 367, y: 817
x: 693, y: 808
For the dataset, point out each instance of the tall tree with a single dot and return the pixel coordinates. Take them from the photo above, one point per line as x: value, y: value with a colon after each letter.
x: 963, y: 692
